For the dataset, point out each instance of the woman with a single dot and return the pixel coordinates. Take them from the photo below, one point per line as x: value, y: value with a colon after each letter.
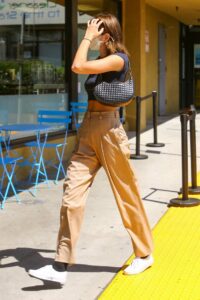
x: 102, y: 141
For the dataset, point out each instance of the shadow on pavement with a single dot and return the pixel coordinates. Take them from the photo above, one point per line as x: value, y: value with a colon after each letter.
x: 29, y: 258
x: 26, y: 258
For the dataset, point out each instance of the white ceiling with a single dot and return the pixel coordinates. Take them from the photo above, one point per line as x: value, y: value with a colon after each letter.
x: 186, y: 11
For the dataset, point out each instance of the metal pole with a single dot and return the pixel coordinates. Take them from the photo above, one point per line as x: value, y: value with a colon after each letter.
x: 21, y: 56
x: 154, y: 96
x: 71, y: 35
x: 184, y: 150
x: 194, y: 189
x: 137, y: 155
x: 155, y: 123
x: 138, y: 112
x: 185, y: 200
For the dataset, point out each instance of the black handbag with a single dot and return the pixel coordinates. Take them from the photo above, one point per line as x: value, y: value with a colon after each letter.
x: 117, y: 92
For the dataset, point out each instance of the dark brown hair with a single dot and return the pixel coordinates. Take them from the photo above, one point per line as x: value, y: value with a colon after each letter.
x: 111, y: 25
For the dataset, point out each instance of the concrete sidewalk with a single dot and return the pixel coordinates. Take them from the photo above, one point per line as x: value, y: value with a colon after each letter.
x: 29, y: 231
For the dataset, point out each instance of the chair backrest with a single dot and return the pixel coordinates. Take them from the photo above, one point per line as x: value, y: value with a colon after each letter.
x: 55, y: 117
x: 78, y: 110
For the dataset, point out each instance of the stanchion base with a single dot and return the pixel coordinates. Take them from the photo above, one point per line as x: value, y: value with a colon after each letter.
x: 194, y: 190
x: 155, y: 145
x: 138, y: 156
x: 184, y: 203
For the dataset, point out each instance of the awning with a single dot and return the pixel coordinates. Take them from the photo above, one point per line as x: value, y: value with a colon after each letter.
x: 90, y: 6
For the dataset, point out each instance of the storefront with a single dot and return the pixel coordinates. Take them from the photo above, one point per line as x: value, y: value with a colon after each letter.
x: 38, y: 40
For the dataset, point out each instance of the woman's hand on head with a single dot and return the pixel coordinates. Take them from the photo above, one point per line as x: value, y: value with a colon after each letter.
x: 93, y: 31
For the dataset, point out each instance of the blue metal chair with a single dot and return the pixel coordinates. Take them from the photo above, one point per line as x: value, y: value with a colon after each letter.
x: 8, y: 165
x: 78, y: 109
x: 58, y: 120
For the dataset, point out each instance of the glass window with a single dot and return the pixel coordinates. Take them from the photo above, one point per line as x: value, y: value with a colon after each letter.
x: 32, y: 36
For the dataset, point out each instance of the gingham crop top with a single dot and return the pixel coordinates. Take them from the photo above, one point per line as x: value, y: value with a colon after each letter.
x: 108, y: 76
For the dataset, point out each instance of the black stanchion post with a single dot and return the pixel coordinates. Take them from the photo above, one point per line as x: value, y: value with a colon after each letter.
x: 185, y: 200
x: 184, y: 139
x: 155, y: 123
x: 137, y: 155
x: 194, y: 189
x: 138, y: 113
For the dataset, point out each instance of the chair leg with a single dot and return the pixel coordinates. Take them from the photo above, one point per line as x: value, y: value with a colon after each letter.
x: 41, y: 162
x: 2, y: 204
x: 60, y: 166
x: 34, y: 156
x: 2, y: 180
x: 10, y: 184
x: 45, y: 172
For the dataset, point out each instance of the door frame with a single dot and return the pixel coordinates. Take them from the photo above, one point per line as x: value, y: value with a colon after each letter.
x: 161, y: 69
x: 189, y: 35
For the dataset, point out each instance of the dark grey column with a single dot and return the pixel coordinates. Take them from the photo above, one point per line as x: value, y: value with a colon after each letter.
x: 71, y: 40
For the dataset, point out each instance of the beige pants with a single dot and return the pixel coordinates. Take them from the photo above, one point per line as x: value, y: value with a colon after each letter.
x: 102, y: 141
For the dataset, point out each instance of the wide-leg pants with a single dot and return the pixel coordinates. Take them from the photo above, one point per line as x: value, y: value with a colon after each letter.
x: 102, y: 141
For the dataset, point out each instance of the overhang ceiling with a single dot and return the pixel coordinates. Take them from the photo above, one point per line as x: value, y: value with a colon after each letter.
x: 92, y: 7
x: 186, y: 11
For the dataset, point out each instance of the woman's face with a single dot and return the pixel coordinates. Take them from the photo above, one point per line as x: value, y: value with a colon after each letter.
x: 99, y: 42
x: 96, y: 44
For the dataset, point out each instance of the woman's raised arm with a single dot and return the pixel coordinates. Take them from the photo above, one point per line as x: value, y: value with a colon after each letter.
x: 82, y: 65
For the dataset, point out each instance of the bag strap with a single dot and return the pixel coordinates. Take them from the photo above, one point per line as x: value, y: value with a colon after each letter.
x: 128, y: 74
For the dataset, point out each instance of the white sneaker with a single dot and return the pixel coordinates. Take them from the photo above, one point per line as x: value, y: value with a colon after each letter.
x: 138, y: 265
x: 48, y: 273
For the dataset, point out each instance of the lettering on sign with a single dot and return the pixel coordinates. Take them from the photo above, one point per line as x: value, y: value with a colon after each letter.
x: 36, y: 12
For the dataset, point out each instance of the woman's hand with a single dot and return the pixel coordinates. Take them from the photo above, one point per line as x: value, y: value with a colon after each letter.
x: 93, y: 31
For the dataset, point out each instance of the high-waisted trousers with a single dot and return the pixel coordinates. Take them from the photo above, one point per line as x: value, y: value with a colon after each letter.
x: 101, y: 141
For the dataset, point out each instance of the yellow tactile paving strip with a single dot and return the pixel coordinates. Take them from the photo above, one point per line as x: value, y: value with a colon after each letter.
x: 175, y: 274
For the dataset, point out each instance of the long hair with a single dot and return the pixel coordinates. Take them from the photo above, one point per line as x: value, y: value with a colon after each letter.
x: 111, y: 25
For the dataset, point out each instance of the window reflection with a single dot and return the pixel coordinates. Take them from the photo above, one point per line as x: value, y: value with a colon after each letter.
x: 32, y: 40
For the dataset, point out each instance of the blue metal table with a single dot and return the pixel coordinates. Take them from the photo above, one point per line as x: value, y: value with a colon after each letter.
x: 37, y: 129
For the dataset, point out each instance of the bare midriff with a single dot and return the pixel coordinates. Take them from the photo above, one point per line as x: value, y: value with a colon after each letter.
x: 94, y: 105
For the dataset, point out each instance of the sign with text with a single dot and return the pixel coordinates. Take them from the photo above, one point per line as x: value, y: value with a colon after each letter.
x: 35, y: 12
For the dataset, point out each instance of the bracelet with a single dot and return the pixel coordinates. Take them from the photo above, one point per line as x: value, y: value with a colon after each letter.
x: 87, y: 39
